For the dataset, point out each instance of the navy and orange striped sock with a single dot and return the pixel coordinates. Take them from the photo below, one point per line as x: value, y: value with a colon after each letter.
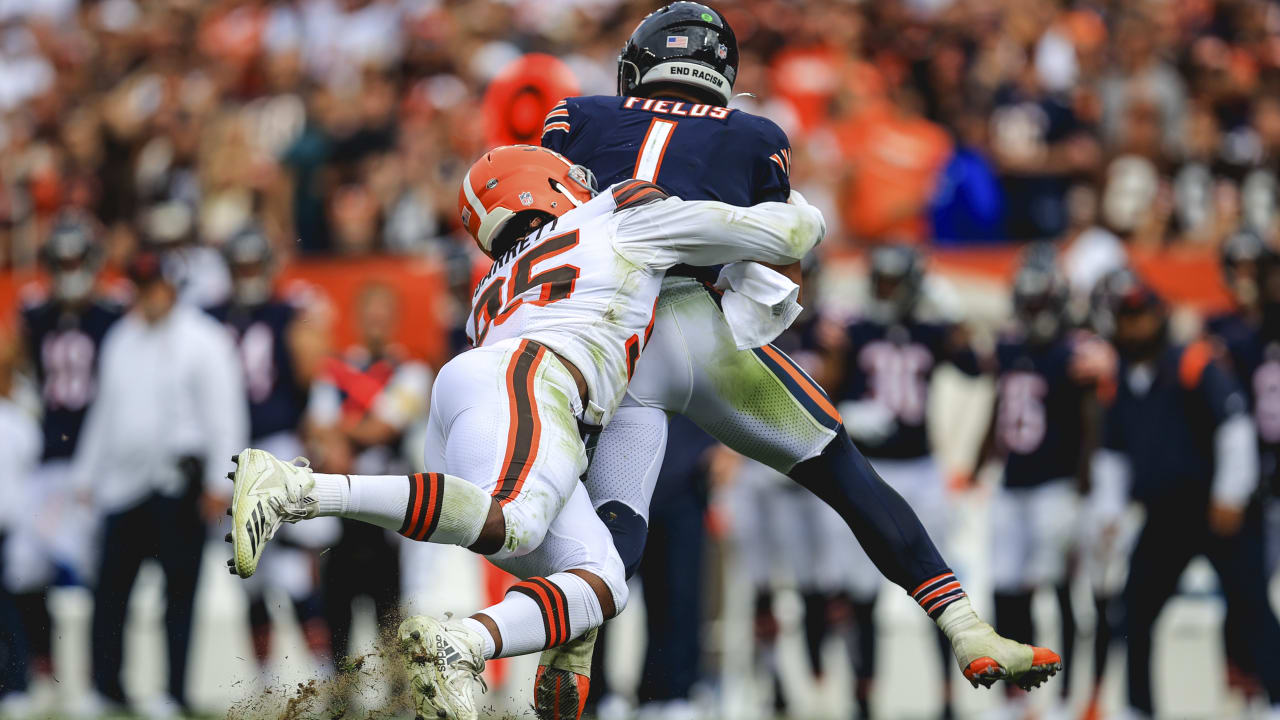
x: 935, y: 594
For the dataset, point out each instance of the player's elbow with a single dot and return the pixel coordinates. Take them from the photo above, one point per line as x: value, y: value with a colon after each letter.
x: 806, y: 232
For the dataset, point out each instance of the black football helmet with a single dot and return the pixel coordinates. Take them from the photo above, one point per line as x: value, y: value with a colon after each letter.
x: 249, y: 258
x: 1241, y: 259
x: 897, y: 281
x: 684, y: 43
x: 1120, y: 291
x: 72, y: 256
x: 1040, y: 294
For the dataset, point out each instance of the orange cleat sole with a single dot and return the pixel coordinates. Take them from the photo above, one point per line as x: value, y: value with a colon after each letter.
x: 986, y: 671
x: 559, y: 694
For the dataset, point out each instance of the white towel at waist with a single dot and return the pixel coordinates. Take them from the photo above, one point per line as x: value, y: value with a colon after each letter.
x: 758, y: 303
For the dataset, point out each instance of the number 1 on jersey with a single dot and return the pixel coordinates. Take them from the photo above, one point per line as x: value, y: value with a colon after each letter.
x: 649, y: 161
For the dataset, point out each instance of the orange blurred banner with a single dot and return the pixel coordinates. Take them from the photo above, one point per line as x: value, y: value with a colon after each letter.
x: 1189, y: 277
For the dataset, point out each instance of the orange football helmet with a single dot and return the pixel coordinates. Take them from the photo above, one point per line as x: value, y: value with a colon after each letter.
x: 521, y: 183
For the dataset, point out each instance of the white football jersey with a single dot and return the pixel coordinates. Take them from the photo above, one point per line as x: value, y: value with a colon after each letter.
x: 586, y: 284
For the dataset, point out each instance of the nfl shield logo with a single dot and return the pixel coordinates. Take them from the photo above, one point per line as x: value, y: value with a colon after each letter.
x: 677, y: 41
x: 526, y: 198
x: 722, y: 52
x: 466, y: 216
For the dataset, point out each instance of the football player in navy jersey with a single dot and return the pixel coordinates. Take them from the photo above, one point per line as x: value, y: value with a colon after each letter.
x: 279, y: 355
x: 671, y: 125
x: 1179, y: 440
x: 881, y: 368
x: 1041, y: 427
x: 1240, y: 257
x: 62, y: 330
x: 1250, y: 333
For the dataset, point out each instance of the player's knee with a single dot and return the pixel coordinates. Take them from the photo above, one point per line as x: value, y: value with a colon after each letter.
x: 628, y: 529
x: 616, y: 581
x: 523, y: 531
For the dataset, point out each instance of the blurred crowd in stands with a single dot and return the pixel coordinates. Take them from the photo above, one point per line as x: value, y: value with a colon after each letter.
x: 344, y: 124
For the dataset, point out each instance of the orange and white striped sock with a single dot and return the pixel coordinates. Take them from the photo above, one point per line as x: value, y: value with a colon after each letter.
x: 543, y: 612
x: 428, y: 507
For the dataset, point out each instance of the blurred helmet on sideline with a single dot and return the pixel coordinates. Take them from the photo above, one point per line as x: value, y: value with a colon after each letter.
x: 896, y: 280
x: 1240, y: 258
x: 248, y: 255
x: 1040, y: 294
x: 72, y: 256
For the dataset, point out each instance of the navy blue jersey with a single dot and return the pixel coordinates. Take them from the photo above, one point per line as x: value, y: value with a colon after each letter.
x: 893, y: 364
x: 1167, y: 431
x: 696, y: 152
x: 64, y: 346
x: 692, y: 151
x: 1039, y: 411
x: 276, y: 399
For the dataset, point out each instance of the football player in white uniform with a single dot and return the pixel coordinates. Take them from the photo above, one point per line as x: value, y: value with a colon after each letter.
x: 558, y: 324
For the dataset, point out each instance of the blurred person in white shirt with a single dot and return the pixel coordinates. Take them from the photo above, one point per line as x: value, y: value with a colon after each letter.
x: 153, y: 457
x: 20, y: 445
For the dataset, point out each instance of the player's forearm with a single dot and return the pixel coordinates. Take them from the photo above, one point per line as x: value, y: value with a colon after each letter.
x: 1111, y: 483
x: 370, y: 431
x: 774, y: 233
x: 1236, y: 461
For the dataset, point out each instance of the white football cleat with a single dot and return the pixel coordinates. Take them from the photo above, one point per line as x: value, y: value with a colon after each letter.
x: 444, y: 661
x: 268, y: 492
x: 986, y: 658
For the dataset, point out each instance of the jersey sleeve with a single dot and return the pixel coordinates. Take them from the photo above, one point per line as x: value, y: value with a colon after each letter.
x: 1215, y: 386
x: 568, y: 130
x: 669, y: 232
x: 772, y: 163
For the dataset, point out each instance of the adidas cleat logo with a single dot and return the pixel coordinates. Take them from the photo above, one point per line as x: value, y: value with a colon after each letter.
x: 257, y: 523
x: 446, y: 654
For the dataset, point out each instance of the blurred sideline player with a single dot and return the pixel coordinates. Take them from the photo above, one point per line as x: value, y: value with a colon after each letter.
x: 1042, y: 428
x: 555, y: 347
x: 361, y: 406
x: 785, y: 536
x: 279, y: 351
x: 1250, y: 334
x: 20, y: 446
x: 52, y: 540
x: 1107, y: 529
x: 1178, y: 440
x: 881, y: 368
x: 671, y: 125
